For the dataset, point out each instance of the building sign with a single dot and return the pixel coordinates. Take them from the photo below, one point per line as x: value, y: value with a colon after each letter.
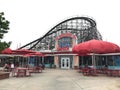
x: 62, y: 49
x: 65, y: 41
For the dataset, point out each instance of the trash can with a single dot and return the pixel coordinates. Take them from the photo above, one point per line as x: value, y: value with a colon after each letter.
x: 75, y: 67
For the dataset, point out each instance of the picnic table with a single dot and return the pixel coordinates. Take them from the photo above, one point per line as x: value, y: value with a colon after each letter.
x: 113, y: 72
x: 89, y: 71
x: 35, y: 69
x: 21, y: 72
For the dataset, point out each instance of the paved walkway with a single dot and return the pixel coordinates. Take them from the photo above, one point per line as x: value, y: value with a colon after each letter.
x: 56, y: 79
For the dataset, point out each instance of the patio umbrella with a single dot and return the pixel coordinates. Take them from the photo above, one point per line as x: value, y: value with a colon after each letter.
x: 6, y: 51
x: 95, y: 46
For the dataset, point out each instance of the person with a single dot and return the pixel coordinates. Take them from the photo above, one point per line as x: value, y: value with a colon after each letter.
x: 6, y: 67
x: 12, y: 68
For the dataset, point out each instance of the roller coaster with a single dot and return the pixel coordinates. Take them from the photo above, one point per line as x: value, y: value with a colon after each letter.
x: 84, y: 28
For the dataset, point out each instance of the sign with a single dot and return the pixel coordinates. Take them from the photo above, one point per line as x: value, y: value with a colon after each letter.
x: 63, y: 48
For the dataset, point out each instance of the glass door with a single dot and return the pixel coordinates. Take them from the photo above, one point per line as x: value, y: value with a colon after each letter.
x: 65, y: 63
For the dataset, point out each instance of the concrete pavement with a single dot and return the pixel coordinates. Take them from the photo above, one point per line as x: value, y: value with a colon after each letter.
x: 57, y: 79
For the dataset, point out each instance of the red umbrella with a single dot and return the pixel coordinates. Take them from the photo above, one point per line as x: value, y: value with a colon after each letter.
x: 95, y: 46
x: 6, y: 51
x: 114, y: 47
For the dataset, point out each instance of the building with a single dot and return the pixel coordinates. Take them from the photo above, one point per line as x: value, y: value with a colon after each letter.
x: 58, y: 42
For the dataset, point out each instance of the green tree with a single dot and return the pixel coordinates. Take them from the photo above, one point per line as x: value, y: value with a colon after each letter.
x: 4, y: 27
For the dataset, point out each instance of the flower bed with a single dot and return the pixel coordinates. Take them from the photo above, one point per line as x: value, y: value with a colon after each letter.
x: 4, y: 75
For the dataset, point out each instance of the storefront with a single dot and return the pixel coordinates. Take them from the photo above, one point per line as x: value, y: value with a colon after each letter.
x: 58, y: 42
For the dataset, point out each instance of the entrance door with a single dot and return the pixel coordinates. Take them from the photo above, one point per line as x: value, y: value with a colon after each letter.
x: 65, y: 63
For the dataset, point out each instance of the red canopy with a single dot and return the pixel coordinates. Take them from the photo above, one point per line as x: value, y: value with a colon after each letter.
x: 95, y: 46
x: 34, y: 54
x: 22, y: 51
x: 6, y: 51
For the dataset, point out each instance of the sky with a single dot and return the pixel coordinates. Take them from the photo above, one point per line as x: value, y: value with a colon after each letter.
x: 31, y: 19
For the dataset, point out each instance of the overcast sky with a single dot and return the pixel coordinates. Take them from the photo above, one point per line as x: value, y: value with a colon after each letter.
x: 31, y: 19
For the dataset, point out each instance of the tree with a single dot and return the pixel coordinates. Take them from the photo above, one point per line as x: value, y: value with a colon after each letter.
x: 4, y: 27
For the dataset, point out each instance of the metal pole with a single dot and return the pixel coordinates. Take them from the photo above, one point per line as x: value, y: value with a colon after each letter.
x: 113, y: 61
x: 43, y: 60
x: 93, y: 59
x: 82, y: 61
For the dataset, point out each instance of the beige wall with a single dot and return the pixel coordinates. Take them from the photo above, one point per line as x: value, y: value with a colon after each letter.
x: 76, y: 61
x: 56, y: 61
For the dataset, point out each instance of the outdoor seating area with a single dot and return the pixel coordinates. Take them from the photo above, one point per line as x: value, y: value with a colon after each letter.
x: 52, y: 79
x: 99, y: 72
x: 89, y: 71
x: 25, y: 72
x: 20, y: 63
x: 19, y: 71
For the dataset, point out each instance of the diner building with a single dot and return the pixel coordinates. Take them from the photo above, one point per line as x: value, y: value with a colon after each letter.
x: 58, y: 42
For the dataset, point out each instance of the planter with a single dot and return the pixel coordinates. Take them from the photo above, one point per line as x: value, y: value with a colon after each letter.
x: 4, y: 75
